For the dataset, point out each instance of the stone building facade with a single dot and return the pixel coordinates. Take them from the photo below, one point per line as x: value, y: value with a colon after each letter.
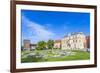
x: 26, y: 45
x: 33, y: 46
x: 74, y: 41
x: 87, y: 41
x: 57, y: 44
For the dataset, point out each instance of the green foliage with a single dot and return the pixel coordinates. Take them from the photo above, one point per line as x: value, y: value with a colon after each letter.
x: 41, y: 45
x: 50, y: 44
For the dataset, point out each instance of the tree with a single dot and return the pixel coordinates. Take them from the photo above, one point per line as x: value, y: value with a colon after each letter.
x: 50, y: 44
x: 41, y: 45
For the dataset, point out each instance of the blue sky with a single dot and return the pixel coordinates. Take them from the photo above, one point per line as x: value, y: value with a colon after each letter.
x: 44, y: 25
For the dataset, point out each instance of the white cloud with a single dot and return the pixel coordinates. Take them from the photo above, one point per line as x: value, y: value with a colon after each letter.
x: 35, y: 31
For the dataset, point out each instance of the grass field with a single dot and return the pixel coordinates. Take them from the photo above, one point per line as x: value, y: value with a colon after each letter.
x: 47, y: 56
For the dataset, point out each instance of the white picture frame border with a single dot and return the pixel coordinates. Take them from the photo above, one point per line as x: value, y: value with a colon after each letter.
x: 20, y: 65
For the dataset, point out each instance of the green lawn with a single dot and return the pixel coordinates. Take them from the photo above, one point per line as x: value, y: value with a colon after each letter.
x: 79, y: 55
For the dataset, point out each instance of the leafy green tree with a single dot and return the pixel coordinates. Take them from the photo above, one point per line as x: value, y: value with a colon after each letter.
x: 50, y: 44
x: 41, y: 45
